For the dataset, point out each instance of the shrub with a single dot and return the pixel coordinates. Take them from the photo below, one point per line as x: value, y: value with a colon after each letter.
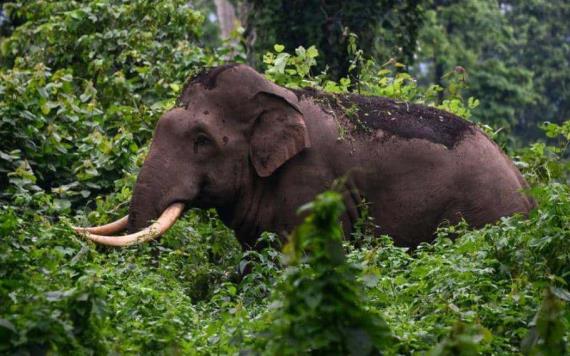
x: 320, y: 306
x: 82, y: 83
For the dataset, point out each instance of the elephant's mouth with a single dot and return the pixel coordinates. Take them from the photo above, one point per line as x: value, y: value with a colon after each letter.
x: 103, y: 234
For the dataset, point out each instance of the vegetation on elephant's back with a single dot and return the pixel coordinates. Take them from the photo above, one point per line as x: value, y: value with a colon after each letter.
x: 82, y: 84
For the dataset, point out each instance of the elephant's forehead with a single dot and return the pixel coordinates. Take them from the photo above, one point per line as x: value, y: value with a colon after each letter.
x: 179, y: 121
x: 221, y: 101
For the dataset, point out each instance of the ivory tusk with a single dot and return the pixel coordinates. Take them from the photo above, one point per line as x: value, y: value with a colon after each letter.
x: 107, y: 229
x: 164, y: 222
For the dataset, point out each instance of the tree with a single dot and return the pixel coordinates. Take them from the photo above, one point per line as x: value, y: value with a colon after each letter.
x: 542, y: 46
x: 78, y: 78
x: 385, y: 28
x: 516, y: 54
x: 475, y: 35
x: 226, y: 17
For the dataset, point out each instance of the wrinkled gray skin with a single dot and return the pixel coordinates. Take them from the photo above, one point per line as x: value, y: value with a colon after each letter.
x: 256, y: 152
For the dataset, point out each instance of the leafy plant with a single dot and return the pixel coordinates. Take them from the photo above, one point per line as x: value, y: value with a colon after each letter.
x: 82, y: 84
x: 320, y: 307
x: 368, y: 78
x: 546, y: 336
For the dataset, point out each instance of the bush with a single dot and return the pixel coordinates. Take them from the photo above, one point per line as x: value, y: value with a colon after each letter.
x: 320, y: 307
x: 82, y: 84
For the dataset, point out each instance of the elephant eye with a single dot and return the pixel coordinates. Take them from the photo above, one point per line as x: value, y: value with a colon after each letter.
x: 201, y: 141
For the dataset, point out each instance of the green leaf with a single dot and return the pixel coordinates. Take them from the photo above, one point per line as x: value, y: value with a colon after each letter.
x: 61, y: 204
x: 45, y: 108
x: 278, y: 48
x: 312, y: 52
x: 7, y: 325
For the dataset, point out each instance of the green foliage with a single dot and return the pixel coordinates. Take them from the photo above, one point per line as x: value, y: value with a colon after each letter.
x: 480, y: 292
x: 286, y: 69
x: 318, y: 289
x: 82, y: 84
x: 540, y: 31
x: 473, y: 34
x: 387, y: 29
x: 462, y: 340
x: 516, y: 53
x: 294, y: 71
x: 545, y: 163
x: 59, y: 293
x: 547, y: 329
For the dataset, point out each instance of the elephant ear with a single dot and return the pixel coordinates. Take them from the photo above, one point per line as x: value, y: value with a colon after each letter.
x: 279, y: 133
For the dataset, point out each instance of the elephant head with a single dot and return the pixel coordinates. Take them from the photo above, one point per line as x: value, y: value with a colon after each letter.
x: 230, y: 128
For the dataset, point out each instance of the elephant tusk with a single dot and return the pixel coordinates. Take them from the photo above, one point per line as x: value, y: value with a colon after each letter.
x: 106, y: 229
x: 164, y: 222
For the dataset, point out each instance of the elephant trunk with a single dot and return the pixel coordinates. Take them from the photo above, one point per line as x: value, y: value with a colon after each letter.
x: 143, y: 209
x: 149, y: 197
x: 154, y: 208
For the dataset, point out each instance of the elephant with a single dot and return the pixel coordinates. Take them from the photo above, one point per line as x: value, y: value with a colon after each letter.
x: 256, y: 152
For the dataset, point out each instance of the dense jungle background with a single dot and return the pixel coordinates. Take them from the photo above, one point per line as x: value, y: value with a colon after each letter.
x: 82, y: 84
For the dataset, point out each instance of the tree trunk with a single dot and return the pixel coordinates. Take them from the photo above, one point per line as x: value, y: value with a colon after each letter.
x: 226, y: 17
